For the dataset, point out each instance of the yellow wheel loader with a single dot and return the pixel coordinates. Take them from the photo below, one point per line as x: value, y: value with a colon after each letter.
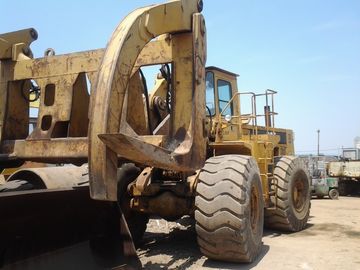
x: 180, y: 148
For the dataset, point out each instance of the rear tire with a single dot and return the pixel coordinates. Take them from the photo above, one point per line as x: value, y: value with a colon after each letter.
x: 334, y: 194
x: 293, y: 196
x: 229, y: 209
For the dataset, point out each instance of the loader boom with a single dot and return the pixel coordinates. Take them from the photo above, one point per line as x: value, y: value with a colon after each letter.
x: 180, y: 29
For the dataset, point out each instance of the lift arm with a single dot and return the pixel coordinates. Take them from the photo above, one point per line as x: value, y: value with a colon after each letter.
x: 183, y: 147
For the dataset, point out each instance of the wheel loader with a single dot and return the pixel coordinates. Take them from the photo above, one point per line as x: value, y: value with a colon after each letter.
x: 182, y: 147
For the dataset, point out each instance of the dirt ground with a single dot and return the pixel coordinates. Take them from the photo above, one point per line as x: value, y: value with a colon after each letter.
x: 331, y: 241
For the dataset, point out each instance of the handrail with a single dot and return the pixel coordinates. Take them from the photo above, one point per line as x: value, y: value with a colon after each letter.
x: 269, y: 125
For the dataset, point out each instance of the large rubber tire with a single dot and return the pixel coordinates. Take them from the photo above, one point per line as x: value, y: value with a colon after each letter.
x: 16, y: 185
x: 137, y: 222
x: 292, y: 198
x: 229, y: 209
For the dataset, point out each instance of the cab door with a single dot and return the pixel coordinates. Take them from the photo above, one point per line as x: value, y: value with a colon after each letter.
x: 222, y: 114
x: 229, y: 121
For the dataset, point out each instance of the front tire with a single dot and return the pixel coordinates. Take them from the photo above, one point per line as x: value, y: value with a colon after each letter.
x: 292, y: 200
x: 229, y: 209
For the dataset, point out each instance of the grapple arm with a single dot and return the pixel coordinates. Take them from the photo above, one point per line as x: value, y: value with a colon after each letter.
x: 182, y: 148
x: 14, y: 43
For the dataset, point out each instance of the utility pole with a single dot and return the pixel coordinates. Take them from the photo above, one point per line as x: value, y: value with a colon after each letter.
x: 318, y: 143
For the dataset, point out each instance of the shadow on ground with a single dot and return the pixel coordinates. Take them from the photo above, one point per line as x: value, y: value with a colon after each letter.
x: 179, y: 250
x: 243, y: 266
x: 175, y: 250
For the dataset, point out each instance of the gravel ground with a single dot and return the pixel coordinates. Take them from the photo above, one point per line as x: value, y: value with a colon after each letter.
x: 330, y: 241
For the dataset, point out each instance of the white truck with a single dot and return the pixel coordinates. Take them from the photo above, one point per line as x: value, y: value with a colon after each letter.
x: 348, y: 172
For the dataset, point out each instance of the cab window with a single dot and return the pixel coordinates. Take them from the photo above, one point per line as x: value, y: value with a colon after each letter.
x: 210, y: 97
x: 224, y: 92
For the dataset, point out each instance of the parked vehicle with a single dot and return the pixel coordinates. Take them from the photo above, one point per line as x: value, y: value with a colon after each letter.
x: 322, y: 185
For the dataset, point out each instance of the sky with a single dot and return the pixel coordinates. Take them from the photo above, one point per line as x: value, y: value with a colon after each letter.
x: 307, y: 50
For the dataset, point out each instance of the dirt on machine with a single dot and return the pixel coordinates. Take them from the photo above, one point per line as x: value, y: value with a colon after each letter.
x: 183, y: 147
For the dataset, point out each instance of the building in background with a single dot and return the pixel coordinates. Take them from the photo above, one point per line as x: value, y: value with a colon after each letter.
x: 352, y: 153
x: 357, y: 142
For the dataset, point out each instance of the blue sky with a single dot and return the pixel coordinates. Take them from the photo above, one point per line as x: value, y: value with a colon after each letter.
x: 309, y: 51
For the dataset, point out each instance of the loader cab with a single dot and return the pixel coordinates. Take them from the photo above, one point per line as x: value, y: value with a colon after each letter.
x: 222, y: 103
x: 221, y: 86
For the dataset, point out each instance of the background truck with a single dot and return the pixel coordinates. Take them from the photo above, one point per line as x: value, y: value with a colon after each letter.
x: 348, y: 173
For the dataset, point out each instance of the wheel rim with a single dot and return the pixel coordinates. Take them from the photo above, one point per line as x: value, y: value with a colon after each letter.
x: 299, y: 192
x: 254, y: 209
x: 333, y: 193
